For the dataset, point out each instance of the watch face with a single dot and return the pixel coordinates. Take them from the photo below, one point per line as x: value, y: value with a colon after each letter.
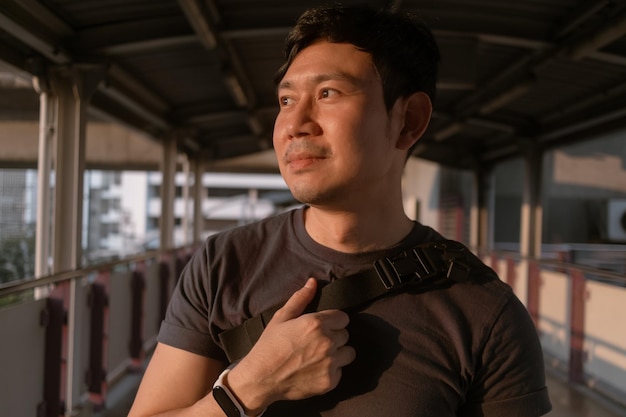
x: 225, y: 402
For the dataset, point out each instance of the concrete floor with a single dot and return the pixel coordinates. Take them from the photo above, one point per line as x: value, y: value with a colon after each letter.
x: 567, y: 401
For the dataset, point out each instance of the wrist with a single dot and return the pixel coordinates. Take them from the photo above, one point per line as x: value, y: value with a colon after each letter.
x: 235, y: 401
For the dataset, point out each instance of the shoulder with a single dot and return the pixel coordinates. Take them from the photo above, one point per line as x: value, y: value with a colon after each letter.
x: 230, y: 252
x: 265, y: 231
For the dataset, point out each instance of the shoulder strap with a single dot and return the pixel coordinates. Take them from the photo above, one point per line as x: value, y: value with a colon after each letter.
x: 420, y: 268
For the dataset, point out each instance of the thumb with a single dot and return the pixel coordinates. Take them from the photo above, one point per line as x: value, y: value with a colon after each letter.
x: 297, y: 303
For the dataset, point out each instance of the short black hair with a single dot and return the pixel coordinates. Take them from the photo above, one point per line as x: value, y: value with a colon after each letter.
x: 403, y: 48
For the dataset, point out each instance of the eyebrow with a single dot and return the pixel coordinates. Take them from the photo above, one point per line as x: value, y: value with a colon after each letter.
x: 319, y: 78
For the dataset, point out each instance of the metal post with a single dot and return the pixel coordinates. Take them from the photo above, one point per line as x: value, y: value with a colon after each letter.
x: 479, y: 213
x: 186, y: 219
x: 168, y: 170
x: 47, y: 134
x: 198, y: 197
x: 73, y: 86
x: 531, y: 218
x: 530, y: 234
x: 577, y: 326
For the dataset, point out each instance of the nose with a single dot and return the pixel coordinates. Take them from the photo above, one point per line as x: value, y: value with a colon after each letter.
x: 297, y: 121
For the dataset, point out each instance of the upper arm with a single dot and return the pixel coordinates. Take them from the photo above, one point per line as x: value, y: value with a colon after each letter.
x: 511, y: 374
x: 174, y: 379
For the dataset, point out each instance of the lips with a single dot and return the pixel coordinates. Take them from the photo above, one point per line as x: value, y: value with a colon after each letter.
x: 304, y: 154
x: 302, y: 161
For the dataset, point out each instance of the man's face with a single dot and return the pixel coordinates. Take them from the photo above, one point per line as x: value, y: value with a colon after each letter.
x: 334, y: 139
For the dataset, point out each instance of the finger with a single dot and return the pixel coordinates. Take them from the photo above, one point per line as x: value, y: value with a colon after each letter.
x: 345, y: 355
x: 341, y: 338
x: 297, y: 303
x: 334, y: 319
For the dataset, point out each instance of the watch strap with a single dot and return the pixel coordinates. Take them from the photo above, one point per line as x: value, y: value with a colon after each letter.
x: 226, y: 399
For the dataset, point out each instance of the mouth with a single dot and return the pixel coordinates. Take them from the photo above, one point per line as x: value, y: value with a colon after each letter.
x: 301, y: 156
x: 299, y: 161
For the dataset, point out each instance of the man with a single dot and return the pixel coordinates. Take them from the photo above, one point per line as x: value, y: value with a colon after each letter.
x: 355, y: 96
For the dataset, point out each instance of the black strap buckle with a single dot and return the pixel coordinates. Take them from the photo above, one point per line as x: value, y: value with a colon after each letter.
x: 458, y: 259
x: 406, y: 267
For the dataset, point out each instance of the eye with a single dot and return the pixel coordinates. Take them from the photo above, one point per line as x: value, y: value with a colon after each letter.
x: 285, y: 101
x: 328, y: 92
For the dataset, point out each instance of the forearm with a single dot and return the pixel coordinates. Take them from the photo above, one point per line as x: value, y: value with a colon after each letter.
x: 247, y: 394
x: 297, y: 356
x: 205, y: 407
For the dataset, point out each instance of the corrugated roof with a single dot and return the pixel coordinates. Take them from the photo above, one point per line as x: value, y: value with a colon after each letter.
x: 542, y: 72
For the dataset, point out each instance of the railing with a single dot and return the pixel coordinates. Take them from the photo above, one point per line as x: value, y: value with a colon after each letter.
x: 75, y: 334
x: 579, y: 312
x: 63, y: 352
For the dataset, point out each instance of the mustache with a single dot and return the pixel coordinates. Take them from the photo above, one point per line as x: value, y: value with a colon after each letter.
x: 304, y: 149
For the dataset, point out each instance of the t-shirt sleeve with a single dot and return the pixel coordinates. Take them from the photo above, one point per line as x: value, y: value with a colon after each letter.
x: 186, y: 324
x: 510, y: 375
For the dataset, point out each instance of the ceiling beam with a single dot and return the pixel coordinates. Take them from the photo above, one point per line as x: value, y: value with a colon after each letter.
x: 200, y: 23
x: 31, y: 31
x: 130, y: 48
x: 203, y: 17
x: 516, y: 75
x: 605, y: 35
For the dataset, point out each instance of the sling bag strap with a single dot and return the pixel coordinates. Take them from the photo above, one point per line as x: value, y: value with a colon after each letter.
x: 420, y: 268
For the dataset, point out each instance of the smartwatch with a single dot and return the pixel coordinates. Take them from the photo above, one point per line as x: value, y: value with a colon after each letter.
x: 226, y: 400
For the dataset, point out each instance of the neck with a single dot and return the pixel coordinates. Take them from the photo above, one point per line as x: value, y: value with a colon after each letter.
x: 358, y: 231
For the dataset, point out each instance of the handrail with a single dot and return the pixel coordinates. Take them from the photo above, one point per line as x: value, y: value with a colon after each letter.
x: 30, y: 283
x: 611, y: 277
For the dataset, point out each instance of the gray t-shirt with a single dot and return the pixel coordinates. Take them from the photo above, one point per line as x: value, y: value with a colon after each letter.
x: 467, y: 350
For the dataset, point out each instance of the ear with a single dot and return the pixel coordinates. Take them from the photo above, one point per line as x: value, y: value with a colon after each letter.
x: 417, y: 111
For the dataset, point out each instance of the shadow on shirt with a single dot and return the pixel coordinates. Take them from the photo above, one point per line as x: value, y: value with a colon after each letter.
x: 374, y: 355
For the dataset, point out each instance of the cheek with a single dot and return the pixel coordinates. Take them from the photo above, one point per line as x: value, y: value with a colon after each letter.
x: 277, y: 133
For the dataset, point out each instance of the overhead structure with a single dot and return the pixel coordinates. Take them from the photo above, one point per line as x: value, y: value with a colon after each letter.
x: 513, y: 74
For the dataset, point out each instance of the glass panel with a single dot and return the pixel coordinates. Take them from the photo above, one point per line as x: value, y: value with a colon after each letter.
x: 18, y: 196
x: 584, y: 195
x: 508, y: 180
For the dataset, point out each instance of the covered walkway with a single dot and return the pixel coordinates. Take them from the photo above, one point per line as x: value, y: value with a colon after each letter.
x: 81, y: 339
x: 572, y: 401
x: 523, y: 84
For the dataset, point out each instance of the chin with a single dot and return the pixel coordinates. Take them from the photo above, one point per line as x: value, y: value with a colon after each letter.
x: 305, y: 195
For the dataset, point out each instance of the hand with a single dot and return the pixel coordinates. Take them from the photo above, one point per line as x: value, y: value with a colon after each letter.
x: 297, y: 356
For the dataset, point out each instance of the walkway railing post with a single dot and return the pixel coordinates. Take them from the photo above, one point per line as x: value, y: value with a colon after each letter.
x: 96, y: 373
x: 53, y: 318
x: 577, y: 326
x: 138, y: 285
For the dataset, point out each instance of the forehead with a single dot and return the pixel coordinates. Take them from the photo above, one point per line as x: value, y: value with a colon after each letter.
x: 324, y: 59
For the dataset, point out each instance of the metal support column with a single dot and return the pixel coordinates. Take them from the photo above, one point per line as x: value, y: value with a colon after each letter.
x: 73, y: 87
x: 48, y: 108
x: 479, y: 213
x: 530, y: 233
x: 199, y: 194
x: 530, y: 224
x: 186, y: 220
x: 168, y: 188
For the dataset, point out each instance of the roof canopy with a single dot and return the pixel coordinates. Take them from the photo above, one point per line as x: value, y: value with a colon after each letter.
x: 514, y: 73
